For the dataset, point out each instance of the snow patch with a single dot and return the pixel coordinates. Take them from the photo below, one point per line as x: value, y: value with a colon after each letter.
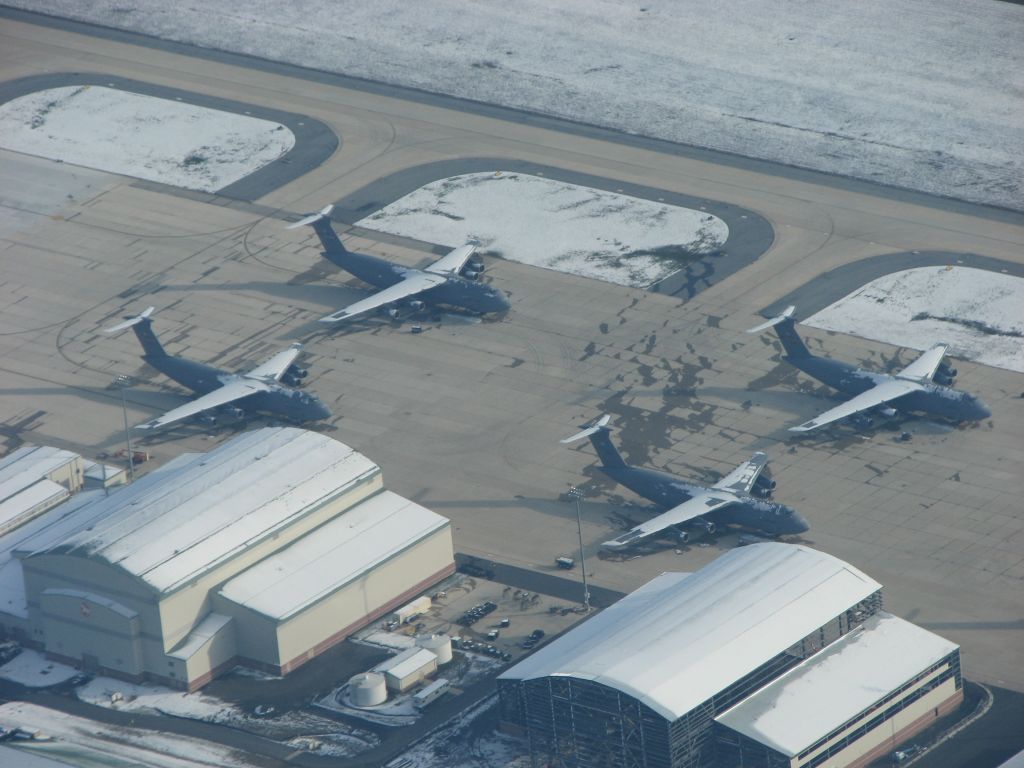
x: 33, y: 670
x: 555, y: 225
x: 979, y: 313
x: 170, y: 142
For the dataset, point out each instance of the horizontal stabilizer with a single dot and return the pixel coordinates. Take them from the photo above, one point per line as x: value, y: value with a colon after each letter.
x: 128, y: 323
x: 597, y: 425
x: 786, y: 314
x: 311, y: 218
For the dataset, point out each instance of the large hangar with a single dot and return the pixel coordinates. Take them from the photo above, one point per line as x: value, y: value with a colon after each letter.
x: 647, y: 681
x: 266, y: 551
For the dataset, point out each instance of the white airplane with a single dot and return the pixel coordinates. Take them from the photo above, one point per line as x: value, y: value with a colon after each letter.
x: 924, y: 385
x: 257, y: 390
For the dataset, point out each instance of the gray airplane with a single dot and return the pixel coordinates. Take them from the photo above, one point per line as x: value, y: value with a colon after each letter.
x: 267, y: 388
x: 450, y: 281
x: 923, y: 386
x: 740, y: 499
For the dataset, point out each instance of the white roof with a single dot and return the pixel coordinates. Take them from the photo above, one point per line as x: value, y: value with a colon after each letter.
x: 27, y: 465
x: 680, y: 639
x: 791, y: 713
x: 41, y: 492
x: 336, y: 553
x: 406, y: 663
x: 203, y: 509
x: 198, y: 637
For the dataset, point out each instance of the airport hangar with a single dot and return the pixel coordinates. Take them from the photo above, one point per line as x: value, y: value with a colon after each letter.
x: 773, y: 655
x: 266, y: 551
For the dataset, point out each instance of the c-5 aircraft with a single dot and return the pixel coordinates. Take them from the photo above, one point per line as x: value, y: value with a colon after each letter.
x: 739, y: 499
x: 446, y: 282
x: 924, y: 385
x: 257, y: 390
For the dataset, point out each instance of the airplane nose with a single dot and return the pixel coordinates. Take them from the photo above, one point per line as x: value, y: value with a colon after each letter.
x: 983, y: 411
x: 800, y: 525
x: 501, y: 300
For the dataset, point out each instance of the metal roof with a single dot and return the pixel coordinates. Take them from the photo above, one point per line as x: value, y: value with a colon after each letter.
x: 791, y: 713
x: 682, y: 638
x: 336, y: 553
x: 406, y: 663
x: 203, y: 509
x: 28, y: 464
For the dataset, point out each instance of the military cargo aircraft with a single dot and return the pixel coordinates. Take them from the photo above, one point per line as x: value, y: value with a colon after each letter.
x: 450, y: 281
x: 923, y: 386
x: 740, y: 499
x: 266, y: 388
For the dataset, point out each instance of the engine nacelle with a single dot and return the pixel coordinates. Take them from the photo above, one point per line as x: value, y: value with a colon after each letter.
x: 762, y: 493
x: 941, y: 380
x: 296, y: 372
x: 470, y: 274
x: 705, y: 525
x: 392, y: 313
x: 947, y: 370
x: 207, y: 418
x: 683, y: 537
x: 234, y: 411
x: 765, y: 482
x: 860, y: 421
x: 416, y: 305
x: 474, y: 266
x: 290, y: 380
x: 889, y: 413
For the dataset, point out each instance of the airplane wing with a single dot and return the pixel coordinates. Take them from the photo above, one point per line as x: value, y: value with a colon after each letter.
x: 696, y: 507
x: 741, y: 479
x: 877, y: 395
x: 275, y: 367
x: 924, y: 367
x: 414, y: 282
x: 233, y: 390
x: 451, y: 263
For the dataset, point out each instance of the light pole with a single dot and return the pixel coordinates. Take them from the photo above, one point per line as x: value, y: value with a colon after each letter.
x: 121, y: 382
x: 576, y: 494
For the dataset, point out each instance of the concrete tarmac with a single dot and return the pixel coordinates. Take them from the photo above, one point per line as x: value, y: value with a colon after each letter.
x: 465, y: 418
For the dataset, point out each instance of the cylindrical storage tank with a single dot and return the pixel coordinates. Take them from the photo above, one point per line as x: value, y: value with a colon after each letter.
x: 439, y: 645
x: 367, y: 690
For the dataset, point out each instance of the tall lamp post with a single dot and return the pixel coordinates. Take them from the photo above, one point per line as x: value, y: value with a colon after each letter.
x: 576, y: 494
x: 121, y: 382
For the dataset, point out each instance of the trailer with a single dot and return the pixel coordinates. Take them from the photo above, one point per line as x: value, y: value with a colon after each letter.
x: 410, y: 611
x: 431, y: 693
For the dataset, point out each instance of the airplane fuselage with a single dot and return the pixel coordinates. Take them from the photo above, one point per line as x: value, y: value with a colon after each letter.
x: 934, y: 399
x: 198, y: 377
x: 668, y: 491
x: 455, y: 291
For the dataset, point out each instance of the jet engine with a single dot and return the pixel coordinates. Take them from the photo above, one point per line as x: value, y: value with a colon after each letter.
x: 944, y: 381
x: 860, y: 421
x: 296, y: 372
x: 207, y: 418
x: 393, y: 313
x: 291, y: 380
x: 683, y: 537
x: 470, y: 274
x: 765, y: 482
x: 473, y: 266
x: 706, y: 525
x: 889, y: 413
x: 947, y: 370
x: 234, y: 411
x: 416, y: 305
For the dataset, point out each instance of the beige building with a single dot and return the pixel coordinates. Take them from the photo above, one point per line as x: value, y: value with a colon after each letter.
x: 266, y: 551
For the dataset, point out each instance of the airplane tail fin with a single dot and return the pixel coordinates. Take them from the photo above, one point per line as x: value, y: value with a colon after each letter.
x: 785, y: 330
x: 599, y: 435
x: 142, y: 326
x: 321, y: 223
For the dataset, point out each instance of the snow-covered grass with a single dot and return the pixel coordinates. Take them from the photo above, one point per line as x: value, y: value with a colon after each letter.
x: 918, y: 93
x: 30, y: 668
x: 88, y: 742
x: 467, y: 741
x: 151, y: 698
x: 555, y: 225
x: 170, y: 142
x: 979, y: 313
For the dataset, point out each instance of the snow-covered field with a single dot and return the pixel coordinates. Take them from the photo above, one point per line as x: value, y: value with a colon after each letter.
x: 468, y: 741
x: 924, y: 94
x: 135, y: 135
x: 555, y: 225
x: 90, y: 743
x: 979, y: 313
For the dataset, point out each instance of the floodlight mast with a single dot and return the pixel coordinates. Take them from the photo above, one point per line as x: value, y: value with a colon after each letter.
x: 576, y: 494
